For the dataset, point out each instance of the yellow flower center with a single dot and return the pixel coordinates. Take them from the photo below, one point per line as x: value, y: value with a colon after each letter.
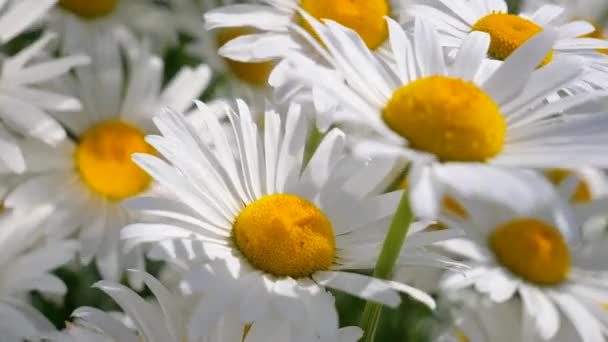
x: 366, y: 17
x: 453, y: 119
x: 597, y: 34
x: 461, y: 336
x: 285, y: 235
x: 583, y: 191
x: 451, y: 205
x: 103, y: 159
x: 255, y: 74
x: 532, y: 250
x: 89, y: 9
x: 507, y: 33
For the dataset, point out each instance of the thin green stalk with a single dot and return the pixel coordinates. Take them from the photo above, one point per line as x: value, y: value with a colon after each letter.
x: 391, y: 249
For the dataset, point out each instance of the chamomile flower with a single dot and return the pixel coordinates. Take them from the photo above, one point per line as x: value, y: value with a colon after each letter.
x: 522, y: 240
x: 587, y: 191
x: 271, y: 25
x: 244, y: 80
x: 579, y: 186
x: 87, y: 26
x: 592, y: 11
x: 161, y: 321
x: 86, y: 175
x: 454, y: 20
x: 434, y: 113
x: 23, y: 104
x: 168, y: 321
x: 477, y: 319
x: 26, y: 262
x: 285, y: 230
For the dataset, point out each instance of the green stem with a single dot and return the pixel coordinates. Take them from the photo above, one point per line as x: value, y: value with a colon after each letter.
x: 391, y: 249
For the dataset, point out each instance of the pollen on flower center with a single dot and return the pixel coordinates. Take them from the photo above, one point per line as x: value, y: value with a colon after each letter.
x: 255, y: 74
x: 89, y: 8
x: 103, y: 159
x: 507, y: 33
x: 285, y: 235
x: 366, y: 17
x: 532, y: 250
x: 448, y: 117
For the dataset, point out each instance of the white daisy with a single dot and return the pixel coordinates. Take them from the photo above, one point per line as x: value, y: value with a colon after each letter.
x: 476, y: 319
x: 455, y: 19
x: 161, y: 321
x: 23, y: 104
x: 579, y: 186
x: 88, y: 26
x: 248, y: 81
x: 523, y: 240
x: 26, y: 262
x: 481, y: 320
x: 467, y: 111
x: 168, y: 321
x: 587, y: 191
x: 275, y: 27
x: 86, y: 176
x: 214, y: 291
x: 592, y: 11
x: 283, y: 231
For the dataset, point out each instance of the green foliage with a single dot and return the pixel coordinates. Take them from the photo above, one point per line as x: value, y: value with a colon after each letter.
x: 410, y: 322
x: 80, y: 293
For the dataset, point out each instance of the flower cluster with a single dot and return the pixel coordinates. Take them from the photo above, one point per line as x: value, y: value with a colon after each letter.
x: 242, y: 171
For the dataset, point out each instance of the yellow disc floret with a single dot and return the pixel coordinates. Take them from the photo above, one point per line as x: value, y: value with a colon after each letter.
x: 103, y: 159
x: 366, y: 17
x: 448, y: 117
x: 89, y: 9
x: 285, y: 235
x: 507, y: 33
x: 255, y: 74
x: 532, y: 250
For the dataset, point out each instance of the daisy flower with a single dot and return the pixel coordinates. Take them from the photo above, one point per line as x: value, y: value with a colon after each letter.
x: 248, y: 81
x: 23, y: 104
x: 481, y: 320
x: 579, y: 186
x: 433, y: 113
x: 592, y: 11
x: 284, y: 229
x: 167, y: 321
x: 86, y: 175
x: 86, y: 26
x: 477, y: 319
x: 26, y: 264
x: 522, y: 240
x: 162, y: 321
x: 587, y: 191
x: 267, y: 30
x: 454, y: 20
